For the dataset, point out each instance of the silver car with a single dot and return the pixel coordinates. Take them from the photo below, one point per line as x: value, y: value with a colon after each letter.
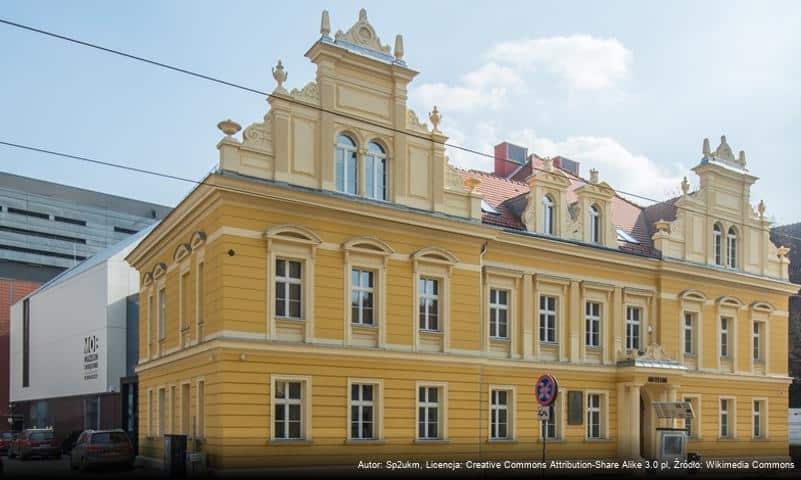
x: 96, y: 448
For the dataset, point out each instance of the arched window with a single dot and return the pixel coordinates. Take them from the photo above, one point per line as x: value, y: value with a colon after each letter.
x: 731, y: 247
x: 595, y: 224
x: 548, y: 215
x: 375, y: 171
x: 346, y: 165
x: 717, y: 242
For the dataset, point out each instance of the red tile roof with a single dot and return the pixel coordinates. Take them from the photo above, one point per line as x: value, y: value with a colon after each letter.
x: 498, y: 191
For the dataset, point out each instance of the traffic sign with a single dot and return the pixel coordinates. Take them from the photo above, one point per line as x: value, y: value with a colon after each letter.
x: 544, y: 414
x: 546, y: 390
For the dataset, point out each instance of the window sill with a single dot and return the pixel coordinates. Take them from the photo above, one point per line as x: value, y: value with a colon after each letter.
x: 598, y: 440
x: 760, y: 439
x: 298, y: 442
x: 726, y: 439
x: 289, y: 319
x: 689, y: 355
x: 551, y: 440
x: 430, y: 441
x: 432, y: 332
x: 502, y: 440
x: 593, y: 348
x: 499, y: 339
x: 366, y: 326
x: 366, y: 441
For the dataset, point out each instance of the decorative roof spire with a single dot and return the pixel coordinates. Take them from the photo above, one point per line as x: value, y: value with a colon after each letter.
x: 398, y: 47
x: 594, y: 178
x: 706, y: 150
x: 724, y: 152
x: 325, y: 24
x: 685, y: 186
x: 363, y: 35
x: 761, y: 208
x: 741, y: 158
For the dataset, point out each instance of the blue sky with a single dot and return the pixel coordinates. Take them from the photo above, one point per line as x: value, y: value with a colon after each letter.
x: 630, y: 88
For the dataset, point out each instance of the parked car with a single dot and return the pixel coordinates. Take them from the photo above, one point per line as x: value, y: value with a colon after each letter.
x: 102, y: 447
x: 6, y: 439
x: 35, y: 442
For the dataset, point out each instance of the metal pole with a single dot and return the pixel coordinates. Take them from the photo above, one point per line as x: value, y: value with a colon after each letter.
x: 544, y: 436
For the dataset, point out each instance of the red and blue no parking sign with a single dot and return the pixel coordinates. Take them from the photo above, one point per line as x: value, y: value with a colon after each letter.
x: 546, y: 389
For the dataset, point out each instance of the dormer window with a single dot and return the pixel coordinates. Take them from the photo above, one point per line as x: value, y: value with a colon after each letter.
x: 375, y: 171
x: 717, y: 241
x: 595, y: 224
x: 731, y: 248
x: 548, y: 215
x: 346, y: 165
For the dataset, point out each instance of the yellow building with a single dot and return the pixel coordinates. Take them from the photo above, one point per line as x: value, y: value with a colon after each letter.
x: 337, y: 292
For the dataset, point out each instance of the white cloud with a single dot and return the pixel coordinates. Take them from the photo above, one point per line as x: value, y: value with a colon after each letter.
x: 584, y: 61
x: 486, y: 87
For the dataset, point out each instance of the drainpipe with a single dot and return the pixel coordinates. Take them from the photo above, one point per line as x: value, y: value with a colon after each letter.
x: 481, y: 365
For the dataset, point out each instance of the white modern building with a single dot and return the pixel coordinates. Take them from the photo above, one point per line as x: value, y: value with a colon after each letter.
x: 73, y: 340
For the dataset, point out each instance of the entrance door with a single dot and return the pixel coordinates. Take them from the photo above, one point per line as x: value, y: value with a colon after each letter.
x: 130, y: 409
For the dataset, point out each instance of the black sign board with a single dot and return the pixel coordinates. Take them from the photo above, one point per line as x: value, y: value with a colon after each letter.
x: 575, y: 407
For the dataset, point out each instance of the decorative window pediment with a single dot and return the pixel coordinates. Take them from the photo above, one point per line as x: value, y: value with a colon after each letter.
x: 728, y: 301
x: 435, y: 255
x: 159, y: 270
x: 293, y: 233
x: 147, y: 279
x: 198, y: 239
x: 692, y: 295
x: 368, y: 245
x: 181, y: 252
x: 762, y: 307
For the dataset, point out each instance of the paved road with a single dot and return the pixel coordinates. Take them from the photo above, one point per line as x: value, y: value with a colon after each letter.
x: 35, y: 468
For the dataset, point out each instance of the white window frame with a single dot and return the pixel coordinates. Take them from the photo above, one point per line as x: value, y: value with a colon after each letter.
x: 603, y: 428
x: 731, y: 417
x: 162, y: 313
x: 442, y: 410
x: 510, y: 408
x: 717, y: 244
x: 548, y: 217
x: 200, y: 408
x: 689, y: 333
x: 368, y: 290
x: 288, y: 280
x: 762, y: 415
x: 595, y: 224
x: 424, y: 322
x: 631, y: 323
x: 724, y: 337
x: 305, y: 409
x: 758, y: 341
x: 547, y: 317
x: 731, y: 248
x: 592, y: 324
x: 372, y: 159
x: 497, y: 308
x: 350, y: 152
x: 378, y: 409
x: 695, y: 401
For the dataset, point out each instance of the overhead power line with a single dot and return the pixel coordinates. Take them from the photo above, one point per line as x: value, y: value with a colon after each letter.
x: 282, y: 97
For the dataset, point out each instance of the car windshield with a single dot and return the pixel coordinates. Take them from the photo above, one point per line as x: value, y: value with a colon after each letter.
x: 109, y: 437
x: 45, y: 435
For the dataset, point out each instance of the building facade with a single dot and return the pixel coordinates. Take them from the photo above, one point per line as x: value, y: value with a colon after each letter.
x: 71, y: 344
x: 338, y: 292
x: 46, y: 228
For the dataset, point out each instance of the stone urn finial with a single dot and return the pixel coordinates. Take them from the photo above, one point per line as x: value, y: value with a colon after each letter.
x: 229, y: 127
x: 594, y: 177
x: 398, y: 47
x: 685, y: 186
x: 706, y: 149
x: 280, y: 75
x: 761, y: 209
x: 435, y: 118
x: 741, y: 158
x: 325, y: 24
x: 782, y: 251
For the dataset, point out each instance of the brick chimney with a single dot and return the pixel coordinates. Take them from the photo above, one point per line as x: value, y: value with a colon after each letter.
x: 508, y: 158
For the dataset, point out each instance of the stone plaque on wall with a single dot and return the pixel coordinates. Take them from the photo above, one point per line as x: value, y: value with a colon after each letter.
x: 575, y: 407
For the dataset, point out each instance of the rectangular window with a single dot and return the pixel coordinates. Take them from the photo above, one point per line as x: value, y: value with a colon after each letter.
x: 162, y: 314
x: 499, y: 313
x: 200, y: 294
x: 594, y: 429
x: 288, y: 413
x: 173, y: 408
x: 162, y: 427
x: 551, y: 425
x: 724, y: 336
x: 185, y: 403
x: 184, y: 285
x: 689, y: 326
x: 362, y: 411
x: 26, y: 343
x: 592, y: 320
x: 428, y: 404
x: 725, y: 427
x: 201, y: 409
x: 429, y: 304
x: 499, y: 414
x: 633, y: 327
x: 91, y: 413
x: 757, y: 419
x: 547, y: 319
x: 757, y: 342
x: 688, y: 422
x: 150, y: 413
x: 362, y: 295
x: 288, y: 288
